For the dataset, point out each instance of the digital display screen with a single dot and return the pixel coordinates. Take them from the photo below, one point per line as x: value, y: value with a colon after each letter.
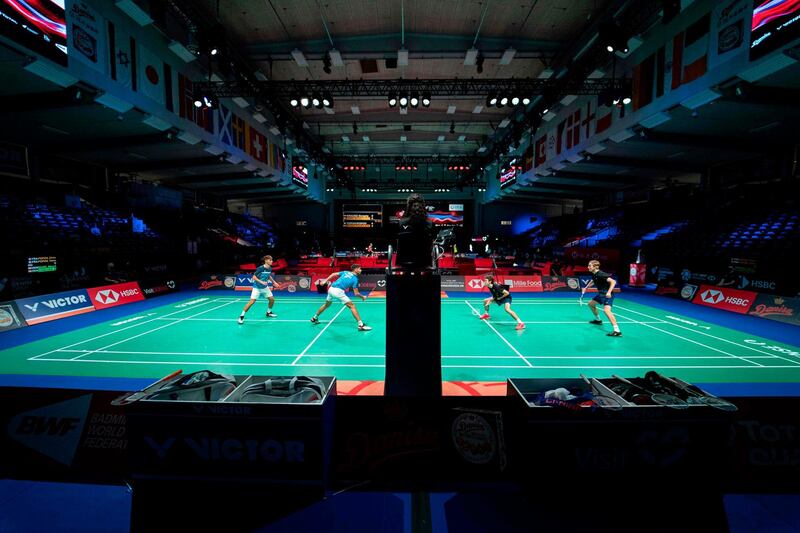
x: 41, y: 264
x: 774, y: 24
x: 440, y: 214
x: 39, y: 25
x: 300, y: 176
x: 508, y: 176
x: 362, y: 216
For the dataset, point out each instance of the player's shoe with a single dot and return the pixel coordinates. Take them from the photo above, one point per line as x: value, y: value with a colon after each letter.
x: 270, y: 314
x: 598, y: 322
x: 314, y: 320
x: 520, y: 325
x: 484, y: 316
x: 614, y: 334
x: 364, y: 327
x: 241, y: 320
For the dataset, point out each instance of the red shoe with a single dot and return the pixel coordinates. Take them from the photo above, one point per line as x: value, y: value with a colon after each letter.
x: 520, y: 325
x: 484, y: 316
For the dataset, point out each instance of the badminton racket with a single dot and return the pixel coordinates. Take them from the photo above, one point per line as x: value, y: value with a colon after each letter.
x: 580, y: 300
x: 667, y: 400
x: 691, y: 394
x: 601, y: 400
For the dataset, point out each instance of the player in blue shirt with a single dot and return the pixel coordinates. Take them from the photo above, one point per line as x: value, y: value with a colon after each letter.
x: 346, y: 280
x: 262, y: 283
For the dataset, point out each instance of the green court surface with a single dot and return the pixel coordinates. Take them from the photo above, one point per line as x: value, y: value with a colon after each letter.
x: 202, y: 332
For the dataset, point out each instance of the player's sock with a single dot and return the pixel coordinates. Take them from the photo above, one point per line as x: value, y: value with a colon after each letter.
x: 616, y: 328
x: 315, y: 317
x: 360, y: 323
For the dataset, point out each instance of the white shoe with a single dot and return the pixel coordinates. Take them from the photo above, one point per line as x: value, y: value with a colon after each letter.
x: 364, y: 327
x: 241, y: 320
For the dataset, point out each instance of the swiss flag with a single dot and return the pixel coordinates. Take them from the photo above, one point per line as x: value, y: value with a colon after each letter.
x: 257, y: 145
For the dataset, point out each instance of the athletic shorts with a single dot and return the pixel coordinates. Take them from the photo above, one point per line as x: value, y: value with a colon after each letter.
x: 337, y: 293
x: 504, y: 301
x: 266, y: 292
x: 602, y: 300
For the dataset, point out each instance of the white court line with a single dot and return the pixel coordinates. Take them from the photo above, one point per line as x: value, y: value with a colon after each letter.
x: 246, y: 320
x: 498, y: 334
x: 718, y: 338
x: 118, y: 330
x: 695, y: 342
x: 572, y: 322
x: 319, y: 335
x: 151, y: 331
x: 604, y: 367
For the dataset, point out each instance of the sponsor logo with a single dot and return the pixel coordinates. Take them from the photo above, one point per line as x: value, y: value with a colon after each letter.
x: 687, y: 292
x: 53, y: 430
x: 553, y: 285
x: 474, y: 438
x: 475, y: 284
x: 767, y: 310
x: 381, y: 283
x: 304, y: 283
x: 108, y: 296
x: 686, y: 275
x: 712, y: 296
x: 171, y: 284
x: 59, y: 302
x: 232, y: 450
x: 772, y: 347
x: 757, y: 284
x: 291, y: 288
x: 191, y: 303
x: 573, y: 283
x: 205, y: 285
x: 7, y: 318
x: 230, y: 282
x: 666, y: 290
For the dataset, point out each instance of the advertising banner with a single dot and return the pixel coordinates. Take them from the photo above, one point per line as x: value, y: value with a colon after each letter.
x: 559, y: 284
x: 453, y: 283
x: 151, y: 288
x: 10, y: 317
x: 725, y: 298
x: 291, y: 284
x: 114, y: 295
x: 778, y: 308
x: 215, y: 282
x: 638, y: 273
x: 58, y: 434
x: 522, y: 283
x: 473, y: 283
x: 369, y: 282
x: 244, y: 282
x: 49, y: 307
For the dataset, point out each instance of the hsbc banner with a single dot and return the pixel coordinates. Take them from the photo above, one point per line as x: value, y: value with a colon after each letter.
x: 473, y: 283
x: 522, y: 283
x: 152, y: 288
x: 10, y: 317
x: 49, y: 307
x: 215, y: 282
x: 114, y: 295
x: 780, y: 308
x: 725, y: 298
x: 453, y: 283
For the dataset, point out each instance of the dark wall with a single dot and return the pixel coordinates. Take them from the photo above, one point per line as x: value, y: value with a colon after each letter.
x: 523, y: 217
x: 287, y: 216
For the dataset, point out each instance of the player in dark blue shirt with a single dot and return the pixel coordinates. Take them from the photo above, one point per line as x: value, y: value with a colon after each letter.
x: 605, y: 296
x: 501, y: 297
x: 346, y: 280
x: 262, y: 285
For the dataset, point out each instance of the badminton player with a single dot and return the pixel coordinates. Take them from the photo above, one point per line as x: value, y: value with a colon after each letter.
x: 347, y: 280
x: 262, y: 286
x: 501, y: 297
x: 605, y: 297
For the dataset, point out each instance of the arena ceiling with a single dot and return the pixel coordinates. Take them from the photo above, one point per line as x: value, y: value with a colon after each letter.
x: 368, y: 34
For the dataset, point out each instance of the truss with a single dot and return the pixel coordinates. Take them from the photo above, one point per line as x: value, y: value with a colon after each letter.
x: 437, y: 88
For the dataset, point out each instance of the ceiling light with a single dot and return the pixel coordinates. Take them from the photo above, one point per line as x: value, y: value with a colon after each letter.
x: 392, y: 99
x: 491, y: 100
x: 526, y: 100
x: 316, y: 100
x: 503, y: 101
x: 299, y: 58
x: 515, y: 100
x: 305, y: 101
x: 426, y: 99
x: 414, y: 101
x: 327, y: 99
x: 294, y: 101
x: 403, y: 99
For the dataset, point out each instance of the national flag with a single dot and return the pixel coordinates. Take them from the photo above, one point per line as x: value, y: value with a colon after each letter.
x: 604, y: 115
x: 541, y: 151
x: 695, y: 49
x: 122, y: 52
x: 642, y: 88
x: 661, y: 67
x: 257, y: 145
x: 527, y: 159
x: 271, y: 154
x: 589, y: 120
x: 239, y: 129
x: 574, y: 129
x: 151, y: 75
x: 225, y: 133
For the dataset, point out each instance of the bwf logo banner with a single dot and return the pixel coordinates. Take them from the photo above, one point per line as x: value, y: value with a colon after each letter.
x: 725, y: 298
x: 114, y: 295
